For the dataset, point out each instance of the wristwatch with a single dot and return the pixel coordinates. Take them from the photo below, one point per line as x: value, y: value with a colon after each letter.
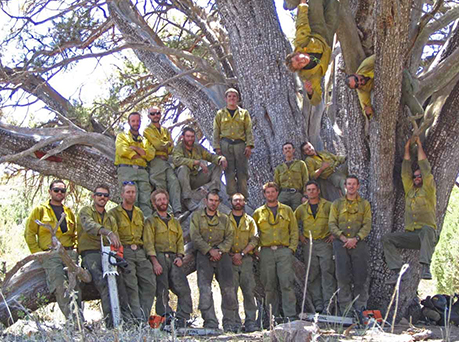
x: 242, y: 254
x: 358, y: 238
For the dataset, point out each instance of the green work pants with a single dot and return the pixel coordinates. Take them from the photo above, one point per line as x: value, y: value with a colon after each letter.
x: 243, y: 277
x: 92, y: 261
x: 223, y: 271
x: 292, y: 199
x: 423, y: 239
x: 56, y: 279
x: 162, y: 176
x: 237, y: 171
x: 408, y: 97
x: 338, y: 179
x: 276, y: 273
x: 351, y: 273
x: 140, y: 283
x: 190, y: 182
x: 321, y: 279
x: 142, y: 185
x: 175, y: 279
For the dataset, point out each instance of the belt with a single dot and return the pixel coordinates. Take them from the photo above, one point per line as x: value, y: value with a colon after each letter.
x: 292, y: 190
x: 137, y: 167
x: 275, y: 247
x: 133, y: 247
x: 233, y: 142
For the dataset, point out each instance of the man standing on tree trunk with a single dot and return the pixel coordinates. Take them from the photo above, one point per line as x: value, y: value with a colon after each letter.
x: 233, y: 138
x: 138, y: 278
x: 92, y: 223
x: 316, y: 25
x: 350, y: 223
x: 313, y: 217
x: 291, y: 177
x: 164, y: 245
x: 162, y: 175
x: 324, y: 165
x: 133, y: 152
x: 39, y: 239
x: 213, y: 236
x: 191, y: 159
x: 245, y: 241
x: 278, y: 238
x: 420, y: 218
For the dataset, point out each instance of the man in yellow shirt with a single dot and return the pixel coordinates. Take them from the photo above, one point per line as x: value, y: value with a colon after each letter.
x: 133, y: 152
x: 138, y: 278
x: 350, y: 223
x: 212, y: 236
x: 291, y: 177
x: 278, y: 239
x: 92, y: 223
x: 162, y: 176
x: 363, y: 81
x: 165, y: 246
x: 245, y: 241
x: 233, y: 138
x: 38, y: 239
x: 316, y: 25
x: 324, y: 165
x: 190, y: 159
x: 420, y: 216
x: 313, y: 216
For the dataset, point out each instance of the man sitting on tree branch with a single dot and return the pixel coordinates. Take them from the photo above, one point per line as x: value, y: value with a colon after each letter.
x: 316, y: 24
x: 420, y: 218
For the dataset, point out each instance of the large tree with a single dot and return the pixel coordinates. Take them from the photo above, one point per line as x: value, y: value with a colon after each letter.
x: 191, y: 51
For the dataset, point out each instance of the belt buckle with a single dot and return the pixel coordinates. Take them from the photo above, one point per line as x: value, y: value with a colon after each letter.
x: 273, y: 248
x: 292, y: 190
x: 135, y: 167
x: 167, y: 255
x: 134, y: 247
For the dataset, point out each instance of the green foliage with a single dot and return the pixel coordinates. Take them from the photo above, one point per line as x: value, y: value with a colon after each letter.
x: 445, y: 266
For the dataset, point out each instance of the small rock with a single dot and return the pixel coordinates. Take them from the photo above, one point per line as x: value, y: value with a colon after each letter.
x: 295, y: 331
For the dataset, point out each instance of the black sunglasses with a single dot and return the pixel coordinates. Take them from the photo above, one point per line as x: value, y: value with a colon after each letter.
x: 155, y: 113
x: 61, y: 190
x: 102, y: 194
x: 417, y: 176
x: 128, y: 183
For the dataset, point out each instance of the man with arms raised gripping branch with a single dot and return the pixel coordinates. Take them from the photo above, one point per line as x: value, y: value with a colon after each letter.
x: 291, y: 177
x: 312, y: 216
x: 350, y: 223
x: 212, y: 236
x: 138, y: 278
x: 245, y: 241
x: 164, y: 245
x: 92, y: 223
x: 278, y: 239
x: 39, y: 239
x: 233, y: 138
x: 133, y: 152
x: 324, y: 165
x: 162, y: 175
x: 420, y: 218
x: 190, y: 160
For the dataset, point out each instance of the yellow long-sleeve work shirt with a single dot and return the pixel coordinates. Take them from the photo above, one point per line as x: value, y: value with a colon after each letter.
x: 130, y: 231
x: 314, y: 163
x: 318, y: 226
x: 124, y: 154
x: 237, y: 127
x: 308, y: 42
x: 281, y: 230
x: 182, y: 156
x: 367, y: 69
x: 38, y: 238
x: 420, y: 203
x: 160, y: 237
x: 244, y: 234
x: 350, y: 218
x: 89, y: 223
x: 160, y: 139
x: 294, y: 176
